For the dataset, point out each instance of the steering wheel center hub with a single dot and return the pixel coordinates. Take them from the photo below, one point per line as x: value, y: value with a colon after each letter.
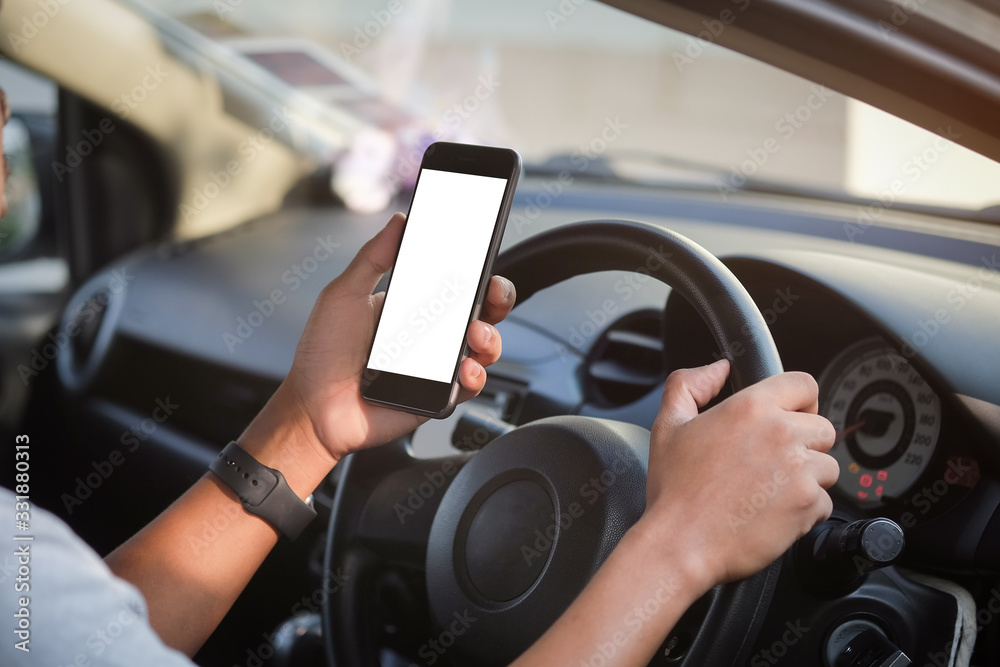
x: 502, y: 556
x: 523, y: 528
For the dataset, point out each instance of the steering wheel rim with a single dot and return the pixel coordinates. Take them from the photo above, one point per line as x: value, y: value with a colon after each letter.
x: 735, y: 611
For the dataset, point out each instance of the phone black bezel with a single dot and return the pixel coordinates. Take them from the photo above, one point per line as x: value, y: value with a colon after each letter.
x: 419, y: 395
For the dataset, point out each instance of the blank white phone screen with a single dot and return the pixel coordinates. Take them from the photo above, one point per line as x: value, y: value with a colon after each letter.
x: 434, y: 281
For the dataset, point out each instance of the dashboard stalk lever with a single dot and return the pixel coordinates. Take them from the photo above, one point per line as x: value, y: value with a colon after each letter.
x: 836, y: 556
x: 475, y: 429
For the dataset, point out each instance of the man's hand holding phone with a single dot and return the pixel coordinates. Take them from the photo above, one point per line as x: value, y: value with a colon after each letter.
x: 323, y: 388
x: 372, y: 367
x: 315, y: 417
x: 330, y: 360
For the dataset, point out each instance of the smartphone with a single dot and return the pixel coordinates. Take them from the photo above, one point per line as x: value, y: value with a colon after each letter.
x: 439, y: 281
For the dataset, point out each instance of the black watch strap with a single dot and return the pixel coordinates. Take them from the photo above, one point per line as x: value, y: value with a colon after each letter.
x: 263, y: 491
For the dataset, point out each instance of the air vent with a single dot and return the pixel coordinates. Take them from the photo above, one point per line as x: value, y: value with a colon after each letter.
x: 86, y: 330
x: 627, y: 361
x: 87, y: 322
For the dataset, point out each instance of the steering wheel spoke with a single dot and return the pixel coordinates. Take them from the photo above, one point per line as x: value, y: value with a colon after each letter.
x: 397, y: 515
x: 382, y: 514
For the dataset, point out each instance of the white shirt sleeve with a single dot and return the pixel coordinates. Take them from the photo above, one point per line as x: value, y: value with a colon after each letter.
x: 79, y: 613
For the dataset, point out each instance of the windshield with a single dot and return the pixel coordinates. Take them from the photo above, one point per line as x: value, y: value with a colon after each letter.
x: 574, y: 84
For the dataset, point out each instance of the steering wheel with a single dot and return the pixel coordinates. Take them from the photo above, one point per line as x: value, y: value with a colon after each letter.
x: 497, y: 544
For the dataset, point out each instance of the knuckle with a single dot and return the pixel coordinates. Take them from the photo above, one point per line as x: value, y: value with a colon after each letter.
x: 806, y: 492
x: 795, y: 458
x: 783, y: 431
x: 330, y: 289
x: 834, y: 468
x: 826, y: 432
x: 824, y: 507
x: 808, y: 521
x: 807, y: 382
x: 679, y: 376
x: 676, y: 380
x: 755, y: 406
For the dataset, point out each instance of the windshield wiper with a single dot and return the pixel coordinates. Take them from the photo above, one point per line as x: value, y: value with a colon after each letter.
x: 607, y: 168
x: 597, y: 168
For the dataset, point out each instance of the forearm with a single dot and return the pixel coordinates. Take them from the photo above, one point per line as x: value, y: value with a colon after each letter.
x: 192, y: 562
x: 629, y: 606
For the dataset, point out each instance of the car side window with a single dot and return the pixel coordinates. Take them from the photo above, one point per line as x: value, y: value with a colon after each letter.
x: 30, y: 254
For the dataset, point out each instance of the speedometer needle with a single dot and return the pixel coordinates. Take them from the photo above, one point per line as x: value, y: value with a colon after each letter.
x: 843, y: 433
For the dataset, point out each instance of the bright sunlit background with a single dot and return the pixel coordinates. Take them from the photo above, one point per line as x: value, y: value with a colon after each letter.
x: 373, y: 81
x: 562, y: 73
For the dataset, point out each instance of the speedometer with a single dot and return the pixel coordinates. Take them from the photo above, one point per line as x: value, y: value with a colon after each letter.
x: 887, y: 419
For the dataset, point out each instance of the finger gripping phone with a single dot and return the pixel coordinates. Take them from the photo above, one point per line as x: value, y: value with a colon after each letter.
x: 440, y: 278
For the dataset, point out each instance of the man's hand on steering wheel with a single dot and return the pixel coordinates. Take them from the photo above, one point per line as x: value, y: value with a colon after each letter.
x: 748, y: 476
x: 727, y: 492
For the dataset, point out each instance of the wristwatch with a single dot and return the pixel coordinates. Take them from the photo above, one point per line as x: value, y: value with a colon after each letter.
x: 263, y: 491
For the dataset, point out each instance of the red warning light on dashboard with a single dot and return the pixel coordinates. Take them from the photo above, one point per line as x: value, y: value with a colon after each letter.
x: 882, y: 475
x: 866, y: 480
x: 862, y: 495
x: 878, y: 490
